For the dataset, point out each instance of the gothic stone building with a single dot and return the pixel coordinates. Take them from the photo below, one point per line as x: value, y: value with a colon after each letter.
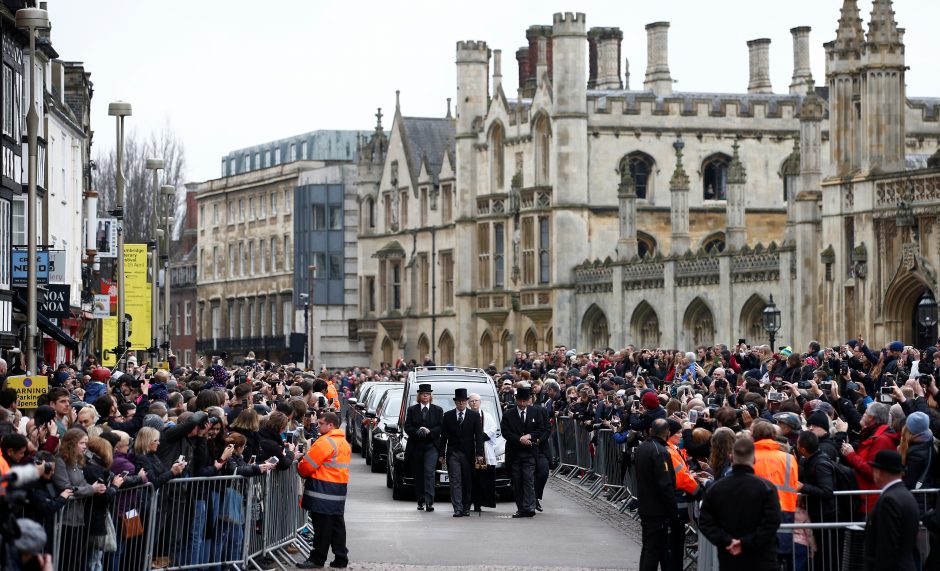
x: 588, y: 214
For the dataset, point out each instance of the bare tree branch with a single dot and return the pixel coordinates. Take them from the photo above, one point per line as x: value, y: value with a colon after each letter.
x: 138, y: 188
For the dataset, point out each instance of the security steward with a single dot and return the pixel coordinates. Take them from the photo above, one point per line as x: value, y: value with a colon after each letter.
x: 687, y: 491
x: 424, y: 422
x: 782, y: 470
x: 325, y: 469
x: 656, y: 495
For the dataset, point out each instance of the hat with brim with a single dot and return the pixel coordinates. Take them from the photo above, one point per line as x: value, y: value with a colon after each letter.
x: 425, y: 388
x: 460, y: 395
x: 523, y: 393
x: 888, y: 460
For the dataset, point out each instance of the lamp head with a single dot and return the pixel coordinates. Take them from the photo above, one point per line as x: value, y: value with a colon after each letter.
x: 167, y: 189
x: 153, y: 164
x: 119, y: 109
x: 32, y: 18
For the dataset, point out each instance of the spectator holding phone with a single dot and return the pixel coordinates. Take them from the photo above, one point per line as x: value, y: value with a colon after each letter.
x: 876, y: 435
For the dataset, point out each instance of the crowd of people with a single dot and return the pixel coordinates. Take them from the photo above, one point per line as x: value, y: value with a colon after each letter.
x: 819, y: 420
x: 97, y: 436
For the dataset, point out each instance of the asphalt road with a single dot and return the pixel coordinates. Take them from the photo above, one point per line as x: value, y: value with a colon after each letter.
x: 393, y: 535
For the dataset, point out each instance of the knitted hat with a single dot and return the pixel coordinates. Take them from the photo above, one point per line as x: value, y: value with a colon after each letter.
x: 153, y: 421
x: 650, y: 400
x: 918, y: 422
x: 896, y: 346
x: 101, y: 374
x: 819, y: 419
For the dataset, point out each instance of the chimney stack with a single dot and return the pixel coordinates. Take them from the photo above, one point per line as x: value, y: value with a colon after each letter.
x: 657, y: 78
x: 497, y: 70
x: 604, y: 50
x: 534, y: 35
x: 626, y: 74
x: 522, y: 59
x: 801, y: 70
x: 759, y: 59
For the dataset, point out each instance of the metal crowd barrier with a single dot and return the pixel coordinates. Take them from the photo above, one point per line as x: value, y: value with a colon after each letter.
x: 189, y: 523
x: 827, y: 546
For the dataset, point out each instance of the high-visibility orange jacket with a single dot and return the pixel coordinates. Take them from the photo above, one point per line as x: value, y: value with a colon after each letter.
x: 325, y: 468
x: 780, y: 469
x: 4, y: 468
x: 684, y: 480
x: 332, y: 396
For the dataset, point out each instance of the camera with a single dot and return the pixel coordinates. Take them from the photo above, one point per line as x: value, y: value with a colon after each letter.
x: 825, y: 386
x: 803, y: 385
x: 844, y: 368
x: 775, y: 396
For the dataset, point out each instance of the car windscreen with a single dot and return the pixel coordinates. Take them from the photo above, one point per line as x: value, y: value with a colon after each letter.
x: 375, y: 395
x: 444, y: 396
x: 391, y: 404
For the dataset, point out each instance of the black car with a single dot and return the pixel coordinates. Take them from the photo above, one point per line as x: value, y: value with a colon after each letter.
x: 355, y: 413
x: 444, y: 381
x: 385, y: 413
x: 359, y: 422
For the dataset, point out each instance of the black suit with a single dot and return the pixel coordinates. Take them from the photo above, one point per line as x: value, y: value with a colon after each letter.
x: 423, y: 448
x: 462, y: 442
x: 891, y: 532
x: 520, y: 458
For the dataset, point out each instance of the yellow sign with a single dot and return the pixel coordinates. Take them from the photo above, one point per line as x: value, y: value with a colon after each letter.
x: 109, y: 340
x: 28, y: 389
x: 137, y: 295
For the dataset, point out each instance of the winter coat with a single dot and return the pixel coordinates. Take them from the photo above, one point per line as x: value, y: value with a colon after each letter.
x: 72, y: 477
x: 95, y: 471
x: 874, y: 438
x: 818, y: 479
x: 920, y: 456
x: 42, y: 503
x: 253, y: 446
x: 655, y: 482
x: 273, y: 446
x: 157, y: 472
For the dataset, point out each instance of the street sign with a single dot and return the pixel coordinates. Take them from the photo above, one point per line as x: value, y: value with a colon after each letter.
x: 101, y: 306
x: 21, y: 267
x: 57, y: 261
x: 28, y: 389
x: 106, y: 238
x: 54, y: 303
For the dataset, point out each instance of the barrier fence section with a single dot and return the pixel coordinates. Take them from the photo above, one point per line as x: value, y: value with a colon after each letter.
x: 188, y: 523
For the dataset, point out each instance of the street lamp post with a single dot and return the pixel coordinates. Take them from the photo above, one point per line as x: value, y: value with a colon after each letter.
x: 312, y: 272
x: 306, y: 299
x: 154, y: 165
x: 119, y: 110
x: 32, y: 19
x: 168, y: 193
x: 771, y: 315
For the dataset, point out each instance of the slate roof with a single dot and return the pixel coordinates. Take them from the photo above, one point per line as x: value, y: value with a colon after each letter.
x: 426, y: 140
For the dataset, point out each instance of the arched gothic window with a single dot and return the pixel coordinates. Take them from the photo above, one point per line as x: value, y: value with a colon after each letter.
x: 715, y: 177
x: 640, y: 166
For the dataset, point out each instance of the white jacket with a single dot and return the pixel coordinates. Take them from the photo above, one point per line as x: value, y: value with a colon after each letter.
x: 491, y: 430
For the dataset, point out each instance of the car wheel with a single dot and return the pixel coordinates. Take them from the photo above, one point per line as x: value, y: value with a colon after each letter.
x: 398, y: 490
x: 362, y: 440
x: 368, y: 455
x: 353, y: 445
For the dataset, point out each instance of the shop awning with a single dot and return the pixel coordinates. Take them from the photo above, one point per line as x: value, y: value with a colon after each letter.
x: 47, y: 326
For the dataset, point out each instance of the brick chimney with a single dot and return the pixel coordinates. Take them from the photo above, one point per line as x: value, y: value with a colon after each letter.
x: 604, y: 58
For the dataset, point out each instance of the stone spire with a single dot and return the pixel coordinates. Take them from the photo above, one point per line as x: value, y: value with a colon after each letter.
x: 849, y: 34
x: 679, y: 206
x: 373, y: 150
x: 736, y: 232
x: 626, y: 195
x: 883, y: 29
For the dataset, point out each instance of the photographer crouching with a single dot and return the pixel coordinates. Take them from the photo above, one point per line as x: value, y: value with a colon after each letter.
x: 22, y: 541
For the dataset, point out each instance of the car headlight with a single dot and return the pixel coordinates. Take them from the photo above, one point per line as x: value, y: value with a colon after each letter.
x: 381, y: 436
x: 400, y: 456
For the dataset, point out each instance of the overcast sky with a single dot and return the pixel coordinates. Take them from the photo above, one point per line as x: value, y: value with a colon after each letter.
x: 235, y: 73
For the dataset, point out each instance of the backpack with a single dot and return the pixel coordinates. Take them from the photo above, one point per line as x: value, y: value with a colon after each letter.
x: 844, y: 477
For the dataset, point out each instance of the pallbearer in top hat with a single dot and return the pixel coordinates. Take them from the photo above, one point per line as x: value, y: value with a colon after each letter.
x: 524, y: 427
x: 423, y: 424
x: 463, y: 444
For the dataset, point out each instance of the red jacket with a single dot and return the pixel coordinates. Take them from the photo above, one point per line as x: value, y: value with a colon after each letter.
x: 875, y: 438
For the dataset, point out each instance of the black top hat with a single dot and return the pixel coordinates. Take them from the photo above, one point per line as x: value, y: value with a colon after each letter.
x: 888, y: 460
x: 424, y: 388
x: 523, y: 393
x: 460, y: 394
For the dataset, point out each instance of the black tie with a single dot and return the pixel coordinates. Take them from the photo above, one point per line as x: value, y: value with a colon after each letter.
x: 460, y: 418
x: 522, y: 414
x: 424, y: 414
